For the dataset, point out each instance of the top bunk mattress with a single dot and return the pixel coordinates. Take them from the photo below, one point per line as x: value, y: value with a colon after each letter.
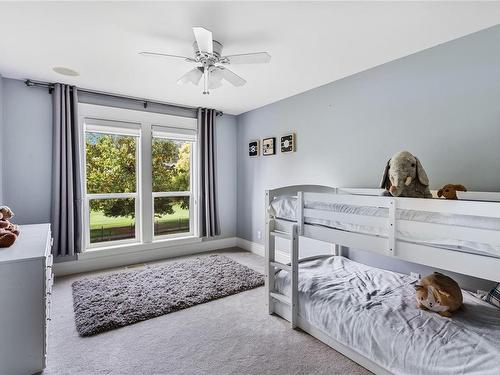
x: 374, y: 312
x: 285, y: 208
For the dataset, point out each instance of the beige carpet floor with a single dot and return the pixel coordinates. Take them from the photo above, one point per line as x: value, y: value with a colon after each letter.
x: 232, y: 335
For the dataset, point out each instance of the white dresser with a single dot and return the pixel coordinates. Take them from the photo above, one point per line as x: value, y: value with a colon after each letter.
x: 25, y: 291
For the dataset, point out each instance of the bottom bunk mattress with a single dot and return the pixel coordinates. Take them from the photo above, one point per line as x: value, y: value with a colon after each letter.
x: 373, y: 311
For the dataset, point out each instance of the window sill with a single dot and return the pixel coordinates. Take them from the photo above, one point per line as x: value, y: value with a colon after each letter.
x: 121, y: 249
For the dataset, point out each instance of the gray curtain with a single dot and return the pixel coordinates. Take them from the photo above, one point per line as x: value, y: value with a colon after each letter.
x: 66, y: 181
x: 208, y: 205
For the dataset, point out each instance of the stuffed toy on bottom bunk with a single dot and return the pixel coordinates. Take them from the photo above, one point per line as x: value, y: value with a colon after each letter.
x: 373, y: 311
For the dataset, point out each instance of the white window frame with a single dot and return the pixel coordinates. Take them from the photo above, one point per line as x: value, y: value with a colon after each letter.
x: 106, y: 126
x: 192, y: 198
x: 146, y: 121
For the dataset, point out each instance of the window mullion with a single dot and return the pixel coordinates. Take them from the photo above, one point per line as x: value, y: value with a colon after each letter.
x: 112, y: 196
x: 171, y: 194
x: 146, y: 183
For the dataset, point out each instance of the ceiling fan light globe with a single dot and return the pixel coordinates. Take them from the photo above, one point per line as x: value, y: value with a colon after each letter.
x: 193, y: 76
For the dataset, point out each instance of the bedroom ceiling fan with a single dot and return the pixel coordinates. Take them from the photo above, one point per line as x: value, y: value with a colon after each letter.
x: 208, y: 53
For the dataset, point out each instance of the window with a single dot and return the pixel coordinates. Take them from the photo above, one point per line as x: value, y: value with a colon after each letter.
x: 111, y: 175
x: 172, y: 170
x: 139, y: 177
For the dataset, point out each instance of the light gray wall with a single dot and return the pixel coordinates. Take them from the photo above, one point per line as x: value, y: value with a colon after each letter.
x: 1, y: 140
x: 442, y: 104
x: 27, y: 148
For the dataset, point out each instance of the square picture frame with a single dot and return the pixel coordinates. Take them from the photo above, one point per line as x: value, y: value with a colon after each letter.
x: 287, y: 143
x: 254, y: 148
x: 269, y: 146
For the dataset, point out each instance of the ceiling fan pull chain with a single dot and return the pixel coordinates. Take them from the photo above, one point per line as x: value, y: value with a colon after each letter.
x: 206, y: 76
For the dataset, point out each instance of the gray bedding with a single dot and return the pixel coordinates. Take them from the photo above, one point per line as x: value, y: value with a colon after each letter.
x: 373, y: 311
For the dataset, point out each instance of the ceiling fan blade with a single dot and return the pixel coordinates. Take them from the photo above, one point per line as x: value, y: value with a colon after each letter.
x: 215, y: 79
x: 213, y: 84
x: 155, y: 54
x: 192, y: 76
x: 203, y: 39
x: 232, y: 77
x: 248, y: 58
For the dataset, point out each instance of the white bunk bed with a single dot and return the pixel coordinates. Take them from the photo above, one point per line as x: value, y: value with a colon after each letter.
x: 459, y: 236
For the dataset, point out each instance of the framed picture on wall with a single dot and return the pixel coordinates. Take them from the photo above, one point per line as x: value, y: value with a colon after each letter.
x: 269, y: 146
x: 288, y: 143
x: 253, y: 148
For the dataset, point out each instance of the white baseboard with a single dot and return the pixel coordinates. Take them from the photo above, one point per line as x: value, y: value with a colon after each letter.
x: 253, y: 247
x: 95, y: 260
x: 92, y: 262
x: 259, y: 249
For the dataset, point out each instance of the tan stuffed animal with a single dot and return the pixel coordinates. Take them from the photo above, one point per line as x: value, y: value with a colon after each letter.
x: 7, y: 213
x: 450, y: 191
x: 439, y: 293
x: 7, y: 238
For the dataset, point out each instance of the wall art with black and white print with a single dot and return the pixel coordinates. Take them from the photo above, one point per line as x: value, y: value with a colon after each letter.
x: 288, y: 143
x: 253, y: 148
x: 269, y: 146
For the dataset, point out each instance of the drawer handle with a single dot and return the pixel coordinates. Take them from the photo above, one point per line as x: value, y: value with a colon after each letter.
x: 49, y: 319
x: 49, y: 293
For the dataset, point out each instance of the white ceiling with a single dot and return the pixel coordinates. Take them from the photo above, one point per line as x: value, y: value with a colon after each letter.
x: 311, y: 43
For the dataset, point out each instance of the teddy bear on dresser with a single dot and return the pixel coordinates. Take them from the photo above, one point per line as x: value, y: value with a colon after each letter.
x: 6, y: 214
x: 7, y: 238
x: 8, y: 231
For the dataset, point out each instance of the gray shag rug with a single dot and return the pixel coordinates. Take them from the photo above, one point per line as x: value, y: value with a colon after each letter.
x: 119, y: 299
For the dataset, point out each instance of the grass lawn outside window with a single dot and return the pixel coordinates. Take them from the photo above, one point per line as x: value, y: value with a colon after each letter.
x: 107, y: 228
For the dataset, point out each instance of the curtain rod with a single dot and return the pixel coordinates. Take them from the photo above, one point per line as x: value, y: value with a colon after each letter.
x: 145, y: 102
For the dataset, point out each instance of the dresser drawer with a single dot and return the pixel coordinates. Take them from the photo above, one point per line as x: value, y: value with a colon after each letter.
x: 48, y: 274
x: 48, y: 285
x: 48, y: 306
x: 49, y: 261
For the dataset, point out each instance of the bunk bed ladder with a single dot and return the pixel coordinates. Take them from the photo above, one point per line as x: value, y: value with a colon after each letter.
x: 272, y: 265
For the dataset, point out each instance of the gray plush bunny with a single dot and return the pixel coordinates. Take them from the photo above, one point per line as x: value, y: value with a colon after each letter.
x: 404, y: 176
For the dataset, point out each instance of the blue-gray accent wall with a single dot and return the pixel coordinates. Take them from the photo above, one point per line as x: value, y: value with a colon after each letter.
x: 27, y: 151
x: 1, y: 140
x: 225, y: 136
x: 442, y: 104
